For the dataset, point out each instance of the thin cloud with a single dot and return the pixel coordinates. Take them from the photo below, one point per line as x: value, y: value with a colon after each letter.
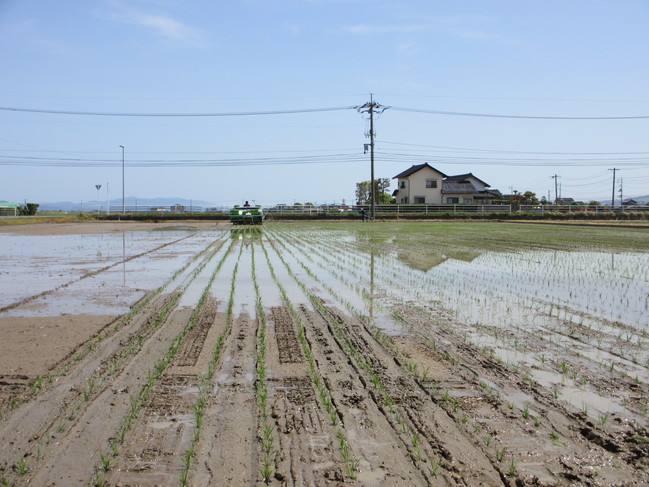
x: 408, y: 48
x: 364, y: 29
x: 160, y: 25
x: 293, y: 28
x: 166, y: 27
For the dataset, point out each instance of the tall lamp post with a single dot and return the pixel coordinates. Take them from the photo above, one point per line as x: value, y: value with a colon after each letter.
x: 123, y: 205
x: 98, y: 186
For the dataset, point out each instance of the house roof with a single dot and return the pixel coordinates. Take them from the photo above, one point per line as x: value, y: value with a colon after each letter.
x: 565, y: 201
x: 416, y: 168
x: 460, y: 178
x: 458, y: 188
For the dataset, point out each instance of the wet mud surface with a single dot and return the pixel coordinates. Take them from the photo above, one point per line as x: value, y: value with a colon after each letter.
x: 286, y: 357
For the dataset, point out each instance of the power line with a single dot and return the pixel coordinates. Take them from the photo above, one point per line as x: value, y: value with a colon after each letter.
x: 209, y: 114
x: 399, y: 157
x: 527, y: 117
x: 315, y: 110
x: 504, y: 151
x: 151, y: 163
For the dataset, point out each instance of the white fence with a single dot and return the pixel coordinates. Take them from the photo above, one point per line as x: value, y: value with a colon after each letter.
x: 396, y: 210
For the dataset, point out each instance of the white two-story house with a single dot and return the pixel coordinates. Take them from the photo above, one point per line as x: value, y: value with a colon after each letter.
x: 423, y: 184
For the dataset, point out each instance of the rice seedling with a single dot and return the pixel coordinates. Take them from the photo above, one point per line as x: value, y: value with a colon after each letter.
x: 512, y: 471
x: 36, y: 385
x: 564, y: 367
x: 526, y: 413
x: 89, y: 389
x: 186, y: 460
x: 500, y: 454
x: 554, y: 436
x: 106, y: 462
x: 434, y: 467
x: 22, y: 467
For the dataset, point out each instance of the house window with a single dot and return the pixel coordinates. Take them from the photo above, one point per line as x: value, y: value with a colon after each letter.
x: 420, y: 200
x: 404, y: 200
x: 452, y: 201
x: 467, y: 201
x: 431, y: 183
x: 402, y: 184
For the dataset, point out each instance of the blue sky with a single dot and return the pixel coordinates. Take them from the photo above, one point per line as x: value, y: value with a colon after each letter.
x: 569, y: 58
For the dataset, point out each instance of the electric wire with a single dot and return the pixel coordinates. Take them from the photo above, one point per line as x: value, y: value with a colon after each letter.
x: 519, y: 117
x: 208, y: 114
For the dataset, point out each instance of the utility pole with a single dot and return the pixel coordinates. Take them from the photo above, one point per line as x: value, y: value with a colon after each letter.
x: 372, y: 107
x: 621, y: 199
x: 613, y: 190
x: 123, y: 206
x: 556, y: 194
x: 98, y: 186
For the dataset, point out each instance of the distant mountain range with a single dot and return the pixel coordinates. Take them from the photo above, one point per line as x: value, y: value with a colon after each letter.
x: 131, y: 203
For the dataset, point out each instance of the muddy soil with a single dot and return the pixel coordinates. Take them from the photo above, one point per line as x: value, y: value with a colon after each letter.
x: 265, y: 357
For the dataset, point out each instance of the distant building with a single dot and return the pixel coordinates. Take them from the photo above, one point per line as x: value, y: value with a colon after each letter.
x: 423, y: 184
x: 178, y: 208
x: 630, y: 202
x: 564, y: 201
x: 9, y: 209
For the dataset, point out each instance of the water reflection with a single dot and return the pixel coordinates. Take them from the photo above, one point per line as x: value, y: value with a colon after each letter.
x: 425, y: 261
x: 246, y: 235
x: 371, y: 283
x: 124, y: 258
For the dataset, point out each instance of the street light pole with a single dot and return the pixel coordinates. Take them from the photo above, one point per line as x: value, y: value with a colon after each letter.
x: 98, y: 186
x: 123, y: 205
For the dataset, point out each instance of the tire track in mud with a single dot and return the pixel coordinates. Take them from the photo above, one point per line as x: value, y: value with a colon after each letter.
x: 151, y: 454
x: 305, y: 434
x: 626, y: 439
x: 561, y: 420
x: 83, y: 390
x: 87, y: 275
x: 347, y: 345
x: 170, y: 403
x: 227, y: 451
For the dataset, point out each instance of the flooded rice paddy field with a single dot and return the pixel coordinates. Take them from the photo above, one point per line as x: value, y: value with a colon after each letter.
x: 301, y: 354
